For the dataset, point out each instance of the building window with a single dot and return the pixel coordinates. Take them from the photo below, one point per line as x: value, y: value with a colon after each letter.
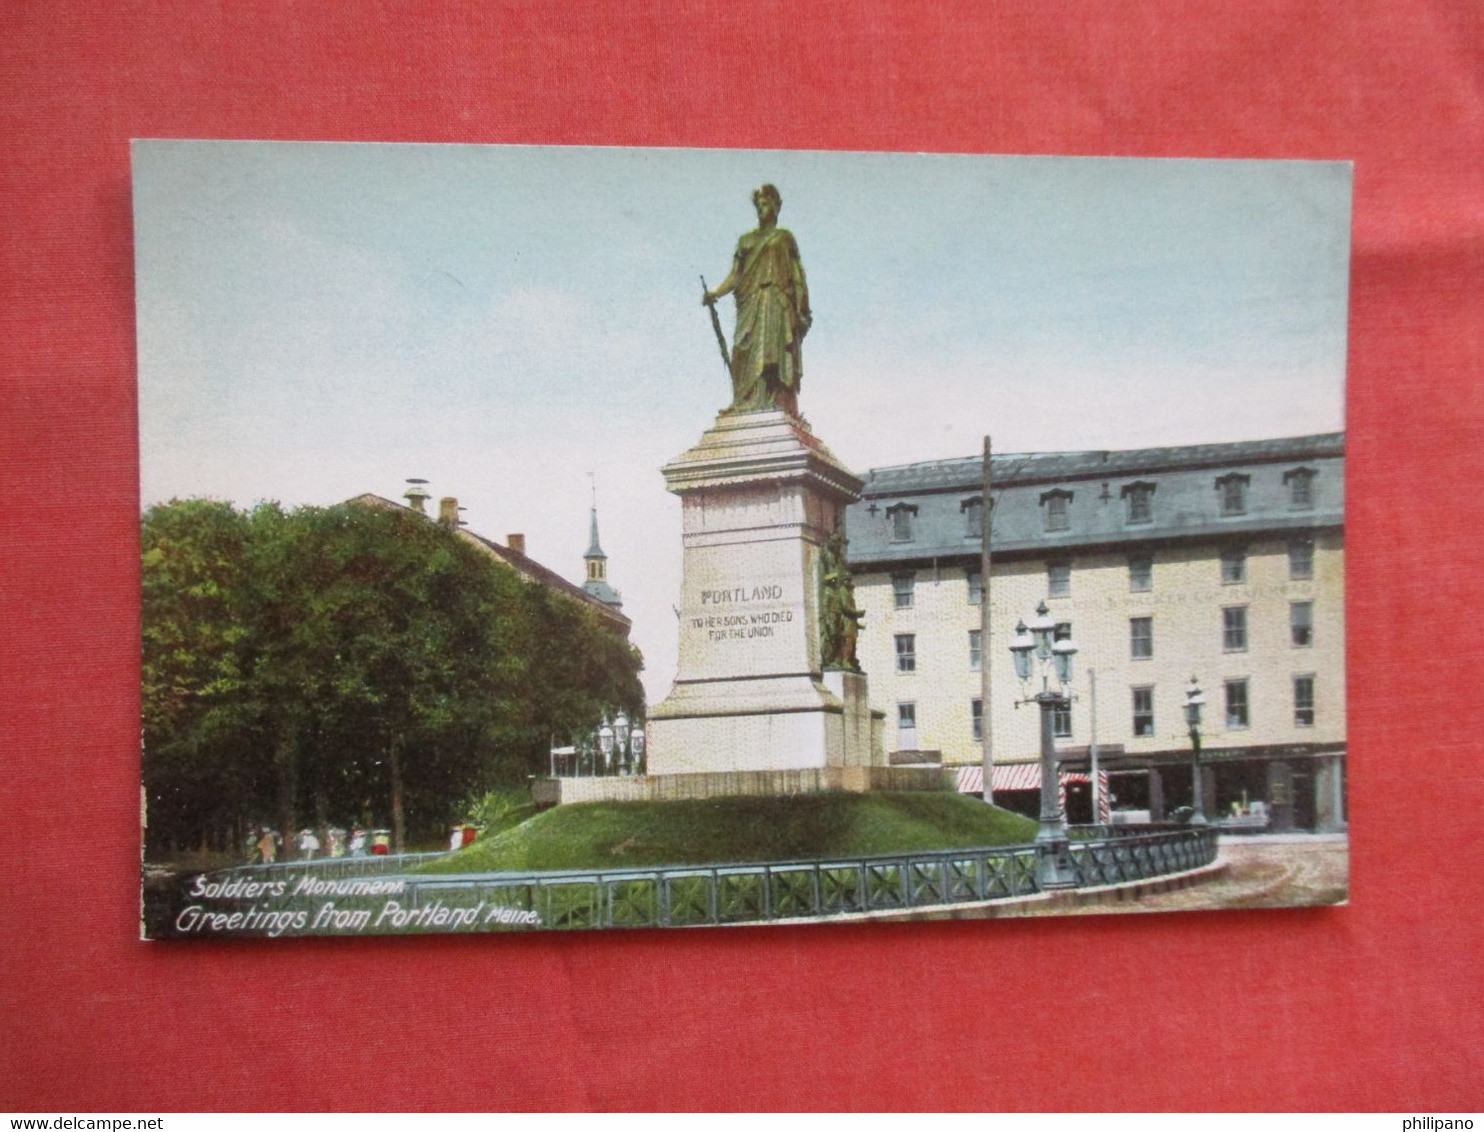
x: 976, y: 586
x: 1301, y: 560
x: 1061, y: 720
x: 901, y: 516
x: 906, y: 652
x: 973, y: 511
x: 1233, y: 491
x: 1138, y: 503
x: 1300, y: 483
x: 1303, y: 701
x: 1141, y: 573
x: 1236, y: 705
x: 1141, y: 638
x: 976, y: 719
x: 1234, y: 628
x: 902, y: 588
x: 1056, y: 510
x: 1059, y: 579
x: 907, y: 727
x: 1233, y: 565
x: 976, y: 650
x: 1143, y: 712
x: 1301, y: 624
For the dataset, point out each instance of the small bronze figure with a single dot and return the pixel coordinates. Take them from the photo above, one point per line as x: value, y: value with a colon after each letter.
x: 839, y: 618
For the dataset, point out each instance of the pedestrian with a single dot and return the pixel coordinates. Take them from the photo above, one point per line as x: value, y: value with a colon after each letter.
x: 308, y: 844
x: 358, y: 842
x: 268, y: 846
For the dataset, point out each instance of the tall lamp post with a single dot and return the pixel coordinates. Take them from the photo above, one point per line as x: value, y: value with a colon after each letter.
x: 636, y: 761
x: 1194, y: 700
x: 621, y: 742
x: 1033, y: 641
x: 605, y: 745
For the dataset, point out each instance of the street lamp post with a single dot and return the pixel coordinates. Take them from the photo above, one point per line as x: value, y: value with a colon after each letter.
x: 605, y: 745
x: 1194, y: 699
x: 621, y: 741
x: 638, y: 750
x: 1054, y: 867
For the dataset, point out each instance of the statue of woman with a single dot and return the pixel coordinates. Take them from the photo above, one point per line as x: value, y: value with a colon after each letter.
x: 773, y: 316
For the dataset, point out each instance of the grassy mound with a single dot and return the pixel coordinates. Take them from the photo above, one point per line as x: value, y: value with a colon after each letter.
x: 715, y: 830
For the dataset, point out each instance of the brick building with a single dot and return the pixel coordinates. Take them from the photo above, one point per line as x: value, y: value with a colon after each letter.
x: 1219, y: 561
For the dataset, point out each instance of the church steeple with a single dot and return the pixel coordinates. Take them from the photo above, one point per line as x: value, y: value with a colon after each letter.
x: 596, y: 582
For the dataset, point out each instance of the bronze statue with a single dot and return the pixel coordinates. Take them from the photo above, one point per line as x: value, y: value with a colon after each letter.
x: 773, y: 316
x: 839, y: 618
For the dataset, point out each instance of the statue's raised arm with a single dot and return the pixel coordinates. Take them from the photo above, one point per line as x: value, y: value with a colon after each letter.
x: 772, y: 298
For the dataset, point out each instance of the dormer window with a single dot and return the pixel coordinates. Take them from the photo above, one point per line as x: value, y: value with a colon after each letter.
x: 1233, y: 492
x: 1056, y: 509
x: 1138, y: 502
x: 1300, y: 484
x: 973, y: 512
x: 900, y: 515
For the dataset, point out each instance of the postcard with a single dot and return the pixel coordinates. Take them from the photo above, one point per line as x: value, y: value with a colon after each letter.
x: 546, y: 538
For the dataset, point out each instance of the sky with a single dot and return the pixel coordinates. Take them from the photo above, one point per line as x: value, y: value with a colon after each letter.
x: 522, y: 327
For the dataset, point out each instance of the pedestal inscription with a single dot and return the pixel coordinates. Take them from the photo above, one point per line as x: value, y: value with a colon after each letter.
x: 760, y: 497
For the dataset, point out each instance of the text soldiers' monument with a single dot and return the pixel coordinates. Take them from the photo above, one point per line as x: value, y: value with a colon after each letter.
x: 768, y: 696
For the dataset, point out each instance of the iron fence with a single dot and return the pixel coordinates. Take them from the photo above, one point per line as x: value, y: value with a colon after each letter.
x: 697, y: 895
x: 334, y: 867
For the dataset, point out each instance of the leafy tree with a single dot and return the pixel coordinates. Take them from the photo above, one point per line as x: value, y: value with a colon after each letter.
x: 348, y: 659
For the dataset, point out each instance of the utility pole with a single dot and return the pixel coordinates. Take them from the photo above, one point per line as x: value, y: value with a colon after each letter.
x: 986, y: 731
x: 1092, y: 749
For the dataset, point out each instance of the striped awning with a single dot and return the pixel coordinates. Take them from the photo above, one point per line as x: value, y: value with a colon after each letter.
x: 1009, y: 776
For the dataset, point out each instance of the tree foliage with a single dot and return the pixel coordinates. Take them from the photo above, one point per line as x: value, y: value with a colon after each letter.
x: 349, y: 664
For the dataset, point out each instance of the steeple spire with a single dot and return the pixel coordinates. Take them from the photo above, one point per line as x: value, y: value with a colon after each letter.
x: 593, y: 549
x: 596, y: 583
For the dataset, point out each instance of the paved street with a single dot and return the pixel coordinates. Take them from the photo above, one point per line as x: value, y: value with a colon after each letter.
x: 1262, y: 872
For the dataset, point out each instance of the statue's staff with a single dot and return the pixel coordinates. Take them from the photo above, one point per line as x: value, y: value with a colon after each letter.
x: 721, y: 340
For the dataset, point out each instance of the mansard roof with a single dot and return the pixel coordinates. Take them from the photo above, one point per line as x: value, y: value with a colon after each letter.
x: 1181, y: 485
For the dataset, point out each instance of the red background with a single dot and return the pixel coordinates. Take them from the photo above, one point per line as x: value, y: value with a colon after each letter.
x: 1363, y: 1007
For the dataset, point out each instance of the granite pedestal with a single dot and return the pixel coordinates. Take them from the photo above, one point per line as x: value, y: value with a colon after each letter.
x: 760, y: 495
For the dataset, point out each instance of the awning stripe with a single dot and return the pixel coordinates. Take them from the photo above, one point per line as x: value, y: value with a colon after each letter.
x: 1008, y: 776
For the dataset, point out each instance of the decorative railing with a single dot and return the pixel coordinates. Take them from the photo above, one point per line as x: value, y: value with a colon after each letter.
x: 695, y: 895
x: 372, y: 864
x: 1131, y: 857
x: 748, y: 893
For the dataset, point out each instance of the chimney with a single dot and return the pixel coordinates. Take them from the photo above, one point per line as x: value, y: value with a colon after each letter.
x: 448, y: 512
x: 417, y: 495
x: 516, y: 543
